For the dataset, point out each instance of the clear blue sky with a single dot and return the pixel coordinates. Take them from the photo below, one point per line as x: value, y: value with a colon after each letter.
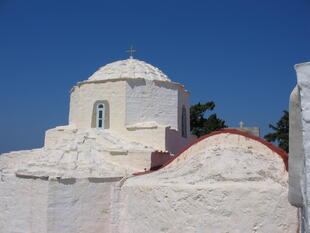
x: 239, y: 54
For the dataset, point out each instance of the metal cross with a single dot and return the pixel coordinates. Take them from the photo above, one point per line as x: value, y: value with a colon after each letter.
x: 131, y: 51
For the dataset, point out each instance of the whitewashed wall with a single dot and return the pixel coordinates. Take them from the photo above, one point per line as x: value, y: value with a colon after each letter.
x: 35, y: 205
x: 80, y: 205
x: 23, y: 204
x: 148, y: 101
x: 299, y: 163
x: 296, y: 158
x: 134, y: 104
x: 83, y: 98
x: 225, y: 183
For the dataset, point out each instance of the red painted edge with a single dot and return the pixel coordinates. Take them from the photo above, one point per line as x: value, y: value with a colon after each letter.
x: 272, y: 147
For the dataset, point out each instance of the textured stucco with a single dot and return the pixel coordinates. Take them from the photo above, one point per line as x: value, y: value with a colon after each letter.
x: 152, y: 101
x: 300, y: 144
x: 70, y: 185
x: 84, y: 97
x: 296, y: 158
x: 35, y: 205
x: 152, y: 137
x: 70, y: 152
x: 225, y: 183
x: 80, y: 205
x: 23, y: 204
x: 129, y: 68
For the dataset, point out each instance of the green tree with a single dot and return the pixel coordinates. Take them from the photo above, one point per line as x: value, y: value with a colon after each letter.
x: 280, y: 135
x: 201, y: 125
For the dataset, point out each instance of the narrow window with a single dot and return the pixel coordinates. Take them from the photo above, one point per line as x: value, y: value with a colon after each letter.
x: 100, y: 116
x: 184, y: 121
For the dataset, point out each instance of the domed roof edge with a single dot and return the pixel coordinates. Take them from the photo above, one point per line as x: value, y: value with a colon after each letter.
x: 129, y: 68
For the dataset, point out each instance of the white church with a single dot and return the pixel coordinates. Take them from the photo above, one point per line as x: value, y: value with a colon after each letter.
x: 135, y: 100
x: 97, y: 174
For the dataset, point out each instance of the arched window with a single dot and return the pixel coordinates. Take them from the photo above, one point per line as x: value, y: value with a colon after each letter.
x: 184, y: 122
x: 100, y: 119
x: 100, y: 116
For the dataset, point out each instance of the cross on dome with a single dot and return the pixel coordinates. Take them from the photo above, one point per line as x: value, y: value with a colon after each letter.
x: 131, y: 51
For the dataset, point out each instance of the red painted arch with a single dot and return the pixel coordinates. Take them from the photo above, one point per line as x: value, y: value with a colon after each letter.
x: 272, y: 147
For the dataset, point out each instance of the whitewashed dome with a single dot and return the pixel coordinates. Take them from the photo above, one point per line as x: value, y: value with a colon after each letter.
x: 129, y: 68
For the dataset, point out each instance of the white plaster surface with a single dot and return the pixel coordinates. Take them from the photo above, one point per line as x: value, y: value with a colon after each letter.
x: 152, y: 101
x: 301, y: 120
x: 70, y: 185
x: 80, y: 205
x: 23, y: 205
x: 296, y: 157
x: 226, y: 183
x: 237, y: 185
x: 154, y: 137
x: 129, y: 68
x: 39, y: 205
x: 84, y: 97
x: 70, y: 152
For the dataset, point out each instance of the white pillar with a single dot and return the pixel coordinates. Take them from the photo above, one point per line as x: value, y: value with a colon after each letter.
x: 299, y: 154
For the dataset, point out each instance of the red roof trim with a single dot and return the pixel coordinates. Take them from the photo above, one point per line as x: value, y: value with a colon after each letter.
x: 272, y: 147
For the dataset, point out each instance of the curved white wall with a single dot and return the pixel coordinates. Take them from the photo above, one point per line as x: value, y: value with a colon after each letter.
x: 148, y: 101
x: 224, y: 183
x: 130, y: 101
x: 157, y: 101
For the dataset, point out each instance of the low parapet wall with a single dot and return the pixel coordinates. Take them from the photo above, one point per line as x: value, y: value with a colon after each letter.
x: 187, y: 149
x: 31, y: 204
x: 280, y: 152
x: 227, y: 181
